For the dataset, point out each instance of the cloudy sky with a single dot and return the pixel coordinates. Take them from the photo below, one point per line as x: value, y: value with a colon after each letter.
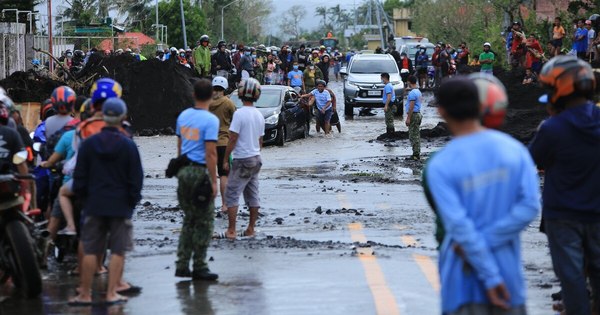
x: 279, y: 7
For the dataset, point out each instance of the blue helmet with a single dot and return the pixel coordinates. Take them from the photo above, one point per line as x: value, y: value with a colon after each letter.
x: 103, y: 89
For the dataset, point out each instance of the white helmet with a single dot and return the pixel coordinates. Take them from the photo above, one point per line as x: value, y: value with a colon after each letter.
x: 173, y: 49
x: 181, y: 50
x: 128, y: 50
x: 487, y: 44
x: 220, y: 81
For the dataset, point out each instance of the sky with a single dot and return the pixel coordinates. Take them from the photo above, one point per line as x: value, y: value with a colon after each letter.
x: 279, y: 8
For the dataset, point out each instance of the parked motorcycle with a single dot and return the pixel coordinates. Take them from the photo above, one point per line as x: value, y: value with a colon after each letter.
x: 20, y: 253
x: 431, y: 77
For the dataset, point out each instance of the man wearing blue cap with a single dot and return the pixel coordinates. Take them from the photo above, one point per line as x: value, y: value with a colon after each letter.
x: 109, y: 177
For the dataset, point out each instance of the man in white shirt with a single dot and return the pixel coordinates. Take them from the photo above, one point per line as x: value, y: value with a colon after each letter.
x: 245, y: 141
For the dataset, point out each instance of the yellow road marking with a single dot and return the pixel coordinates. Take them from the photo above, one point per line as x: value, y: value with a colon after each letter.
x: 385, y: 302
x: 425, y: 263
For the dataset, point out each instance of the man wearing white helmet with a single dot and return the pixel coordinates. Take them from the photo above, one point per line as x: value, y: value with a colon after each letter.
x: 222, y: 107
x: 486, y: 59
x: 245, y: 142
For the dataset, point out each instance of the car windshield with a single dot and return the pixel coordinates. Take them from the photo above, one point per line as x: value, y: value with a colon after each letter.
x: 413, y: 50
x: 374, y: 66
x: 268, y: 98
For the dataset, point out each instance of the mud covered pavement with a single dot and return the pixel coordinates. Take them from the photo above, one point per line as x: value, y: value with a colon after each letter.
x: 344, y: 229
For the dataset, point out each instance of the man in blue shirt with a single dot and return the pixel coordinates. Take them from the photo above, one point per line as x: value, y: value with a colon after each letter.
x: 413, y: 117
x: 296, y: 77
x: 580, y: 42
x: 323, y: 102
x: 567, y: 147
x: 389, y: 102
x: 485, y: 188
x: 197, y: 132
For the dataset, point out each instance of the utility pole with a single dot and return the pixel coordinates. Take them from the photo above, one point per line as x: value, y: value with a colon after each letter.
x: 185, y: 45
x: 157, y: 23
x: 379, y: 23
x: 50, y: 34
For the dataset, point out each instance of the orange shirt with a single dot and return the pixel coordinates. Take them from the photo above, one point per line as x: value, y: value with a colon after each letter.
x: 559, y: 32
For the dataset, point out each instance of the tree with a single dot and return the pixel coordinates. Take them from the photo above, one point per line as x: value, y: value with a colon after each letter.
x: 171, y: 17
x: 322, y: 11
x: 290, y: 21
x: 23, y: 5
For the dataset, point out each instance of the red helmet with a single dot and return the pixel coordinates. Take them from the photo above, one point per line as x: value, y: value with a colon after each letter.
x: 47, y: 110
x: 492, y: 98
x: 63, y: 98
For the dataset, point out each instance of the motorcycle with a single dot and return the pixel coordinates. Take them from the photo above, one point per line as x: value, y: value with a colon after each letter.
x: 431, y: 76
x: 20, y: 253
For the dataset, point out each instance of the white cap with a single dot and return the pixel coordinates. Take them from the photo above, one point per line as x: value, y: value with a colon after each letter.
x: 220, y: 81
x: 487, y: 44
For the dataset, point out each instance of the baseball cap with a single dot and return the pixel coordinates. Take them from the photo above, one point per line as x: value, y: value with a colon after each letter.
x: 114, y: 107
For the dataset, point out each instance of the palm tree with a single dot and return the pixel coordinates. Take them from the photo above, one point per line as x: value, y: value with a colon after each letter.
x: 322, y: 11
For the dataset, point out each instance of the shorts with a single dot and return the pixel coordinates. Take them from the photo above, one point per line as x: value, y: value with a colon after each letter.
x: 324, y: 118
x: 557, y: 42
x: 56, y: 210
x: 96, y: 230
x: 244, y: 179
x: 221, y: 150
x: 421, y: 70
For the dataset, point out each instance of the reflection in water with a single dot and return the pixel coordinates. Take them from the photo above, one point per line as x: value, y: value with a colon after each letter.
x: 193, y: 296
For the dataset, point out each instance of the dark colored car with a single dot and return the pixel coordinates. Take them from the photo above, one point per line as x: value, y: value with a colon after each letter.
x: 285, y: 119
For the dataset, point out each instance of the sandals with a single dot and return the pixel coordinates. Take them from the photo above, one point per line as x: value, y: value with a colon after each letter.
x: 240, y: 234
x: 120, y: 300
x: 77, y: 302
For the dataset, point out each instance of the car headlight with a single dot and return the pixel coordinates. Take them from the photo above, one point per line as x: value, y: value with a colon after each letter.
x: 272, y: 120
x: 352, y: 84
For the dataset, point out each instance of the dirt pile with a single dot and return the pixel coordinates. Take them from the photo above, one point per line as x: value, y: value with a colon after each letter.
x: 28, y: 87
x: 525, y: 113
x: 156, y: 92
x: 441, y: 130
x: 522, y: 118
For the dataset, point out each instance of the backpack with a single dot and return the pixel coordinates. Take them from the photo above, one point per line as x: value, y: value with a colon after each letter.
x: 48, y: 148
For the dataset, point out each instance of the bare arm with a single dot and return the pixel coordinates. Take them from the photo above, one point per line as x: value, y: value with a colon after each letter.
x: 52, y: 160
x: 211, y: 164
x: 22, y: 169
x: 233, y: 138
x: 178, y: 146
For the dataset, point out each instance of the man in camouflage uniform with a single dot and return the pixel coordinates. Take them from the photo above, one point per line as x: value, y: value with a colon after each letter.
x: 389, y: 102
x: 198, y: 131
x: 261, y: 63
x: 413, y: 117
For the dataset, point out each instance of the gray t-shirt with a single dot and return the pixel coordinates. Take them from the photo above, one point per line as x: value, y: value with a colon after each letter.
x: 55, y: 123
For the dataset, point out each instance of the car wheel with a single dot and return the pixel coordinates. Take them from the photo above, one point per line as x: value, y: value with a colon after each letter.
x: 280, y: 140
x: 348, y: 110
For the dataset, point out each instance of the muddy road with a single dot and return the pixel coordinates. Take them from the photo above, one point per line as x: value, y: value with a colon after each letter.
x: 344, y: 229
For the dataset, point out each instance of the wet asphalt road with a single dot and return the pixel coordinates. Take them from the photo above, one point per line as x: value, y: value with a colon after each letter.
x: 345, y: 229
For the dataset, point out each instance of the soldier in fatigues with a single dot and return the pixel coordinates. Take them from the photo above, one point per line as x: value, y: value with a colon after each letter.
x: 198, y: 132
x: 413, y: 117
x: 389, y: 101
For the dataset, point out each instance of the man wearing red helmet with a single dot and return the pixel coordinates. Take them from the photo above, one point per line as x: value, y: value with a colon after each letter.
x: 484, y: 200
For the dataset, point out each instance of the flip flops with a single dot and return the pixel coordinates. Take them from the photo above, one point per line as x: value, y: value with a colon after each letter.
x: 240, y: 234
x: 119, y: 301
x: 76, y: 302
x: 132, y: 290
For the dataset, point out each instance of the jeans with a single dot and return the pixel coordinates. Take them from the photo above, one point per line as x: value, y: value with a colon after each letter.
x: 574, y: 246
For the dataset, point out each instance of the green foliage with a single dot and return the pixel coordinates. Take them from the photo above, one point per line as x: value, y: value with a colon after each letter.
x: 194, y: 19
x: 390, y: 5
